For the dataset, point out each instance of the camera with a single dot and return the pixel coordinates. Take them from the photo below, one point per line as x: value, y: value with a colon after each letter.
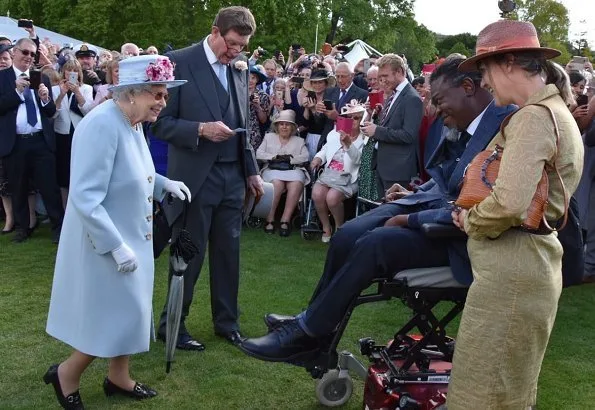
x: 262, y: 52
x: 506, y: 7
x: 25, y: 23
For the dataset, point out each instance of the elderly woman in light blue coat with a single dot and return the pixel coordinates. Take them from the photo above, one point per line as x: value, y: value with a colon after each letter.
x: 101, y: 302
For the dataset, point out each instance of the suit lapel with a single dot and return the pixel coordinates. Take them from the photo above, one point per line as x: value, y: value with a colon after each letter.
x: 239, y: 80
x: 201, y: 73
x: 396, y: 104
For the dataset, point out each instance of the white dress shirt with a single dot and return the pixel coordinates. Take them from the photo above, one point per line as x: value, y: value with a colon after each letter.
x: 23, y: 127
x: 212, y: 58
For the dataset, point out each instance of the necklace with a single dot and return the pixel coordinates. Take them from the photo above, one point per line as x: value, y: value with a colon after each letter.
x: 135, y: 127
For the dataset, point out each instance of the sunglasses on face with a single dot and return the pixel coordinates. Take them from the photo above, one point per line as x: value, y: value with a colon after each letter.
x: 159, y: 95
x: 27, y: 53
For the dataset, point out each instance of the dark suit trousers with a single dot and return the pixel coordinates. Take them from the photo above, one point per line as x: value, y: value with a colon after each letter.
x: 361, y: 250
x: 32, y: 158
x: 215, y: 217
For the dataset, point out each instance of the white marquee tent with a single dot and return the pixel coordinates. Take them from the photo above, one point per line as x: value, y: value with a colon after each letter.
x: 359, y: 51
x: 9, y: 28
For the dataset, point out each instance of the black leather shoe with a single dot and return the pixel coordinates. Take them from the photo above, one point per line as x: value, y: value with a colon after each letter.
x: 72, y: 401
x: 33, y: 228
x: 6, y: 232
x: 185, y: 342
x: 286, y: 343
x: 21, y: 235
x: 139, y: 392
x: 272, y: 320
x: 234, y: 337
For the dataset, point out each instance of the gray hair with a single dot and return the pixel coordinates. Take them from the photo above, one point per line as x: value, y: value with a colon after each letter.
x: 344, y: 65
x: 127, y: 92
x: 25, y: 40
x: 372, y: 69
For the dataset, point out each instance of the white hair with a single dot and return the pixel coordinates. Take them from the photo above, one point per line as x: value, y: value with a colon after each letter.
x: 346, y: 65
x: 125, y: 93
x: 372, y: 69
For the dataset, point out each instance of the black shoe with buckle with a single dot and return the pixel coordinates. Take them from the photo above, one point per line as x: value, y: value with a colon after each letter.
x: 234, y: 337
x: 286, y: 343
x: 139, y: 392
x: 272, y: 320
x: 72, y: 401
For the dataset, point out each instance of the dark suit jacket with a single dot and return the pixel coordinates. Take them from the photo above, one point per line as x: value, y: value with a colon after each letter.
x: 437, y: 192
x: 9, y: 105
x: 398, y: 137
x: 189, y: 158
x: 332, y: 94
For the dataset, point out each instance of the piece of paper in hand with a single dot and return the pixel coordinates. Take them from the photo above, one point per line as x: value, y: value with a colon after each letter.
x: 239, y: 130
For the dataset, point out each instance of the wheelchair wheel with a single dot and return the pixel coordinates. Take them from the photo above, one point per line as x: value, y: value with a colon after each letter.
x: 254, y: 222
x: 334, y: 389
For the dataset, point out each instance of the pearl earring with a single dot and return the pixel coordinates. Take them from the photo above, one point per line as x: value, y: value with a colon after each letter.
x: 131, y: 101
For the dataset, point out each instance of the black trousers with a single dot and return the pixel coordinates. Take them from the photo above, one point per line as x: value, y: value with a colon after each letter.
x: 215, y: 218
x: 32, y: 158
x: 361, y: 250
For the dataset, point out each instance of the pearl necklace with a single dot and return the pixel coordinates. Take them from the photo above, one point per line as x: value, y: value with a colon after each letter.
x: 135, y: 127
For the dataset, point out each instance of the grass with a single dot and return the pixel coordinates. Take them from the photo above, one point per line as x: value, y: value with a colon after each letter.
x: 278, y: 275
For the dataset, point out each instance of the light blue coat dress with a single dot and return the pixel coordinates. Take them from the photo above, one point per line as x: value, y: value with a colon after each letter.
x: 94, y: 308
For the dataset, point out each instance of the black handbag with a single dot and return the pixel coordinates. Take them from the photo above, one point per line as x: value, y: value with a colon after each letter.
x: 161, y: 230
x: 281, y: 163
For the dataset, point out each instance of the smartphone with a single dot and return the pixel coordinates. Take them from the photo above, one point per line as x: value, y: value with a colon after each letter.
x: 25, y: 23
x: 312, y: 95
x: 343, y: 48
x: 73, y: 78
x: 582, y: 100
x: 279, y: 95
x: 367, y: 64
x: 34, y: 79
x: 328, y: 104
x: 277, y: 53
x: 296, y: 50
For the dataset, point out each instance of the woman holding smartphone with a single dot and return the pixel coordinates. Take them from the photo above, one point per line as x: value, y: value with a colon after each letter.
x: 73, y: 101
x: 315, y: 86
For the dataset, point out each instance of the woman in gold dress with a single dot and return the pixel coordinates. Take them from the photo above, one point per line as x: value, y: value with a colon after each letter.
x: 512, y: 303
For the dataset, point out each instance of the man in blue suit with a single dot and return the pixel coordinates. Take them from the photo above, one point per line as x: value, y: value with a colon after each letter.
x: 388, y: 239
x: 27, y: 140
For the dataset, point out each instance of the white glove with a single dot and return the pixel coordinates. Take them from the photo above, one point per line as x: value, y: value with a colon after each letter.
x: 177, y: 189
x: 125, y: 258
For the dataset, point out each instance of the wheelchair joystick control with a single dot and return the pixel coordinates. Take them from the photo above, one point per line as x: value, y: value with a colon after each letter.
x: 407, y: 403
x: 365, y: 346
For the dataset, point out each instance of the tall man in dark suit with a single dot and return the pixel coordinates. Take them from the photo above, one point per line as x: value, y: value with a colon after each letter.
x: 343, y: 93
x: 398, y: 130
x: 387, y: 239
x: 213, y: 160
x: 27, y: 140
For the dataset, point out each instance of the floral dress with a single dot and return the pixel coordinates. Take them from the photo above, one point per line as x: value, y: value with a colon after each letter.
x: 256, y: 131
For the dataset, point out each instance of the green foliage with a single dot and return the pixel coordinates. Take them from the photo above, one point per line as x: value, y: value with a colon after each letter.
x: 389, y: 24
x: 463, y: 43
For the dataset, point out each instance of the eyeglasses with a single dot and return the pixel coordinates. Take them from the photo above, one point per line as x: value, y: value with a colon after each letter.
x: 27, y: 53
x: 234, y: 47
x: 159, y: 95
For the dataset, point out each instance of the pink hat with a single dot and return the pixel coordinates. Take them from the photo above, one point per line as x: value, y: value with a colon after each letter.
x: 506, y: 36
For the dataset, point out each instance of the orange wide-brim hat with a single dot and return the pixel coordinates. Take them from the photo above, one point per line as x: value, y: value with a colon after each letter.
x: 506, y: 36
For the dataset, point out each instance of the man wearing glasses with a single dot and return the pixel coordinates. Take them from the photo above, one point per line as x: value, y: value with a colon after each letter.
x: 27, y: 140
x: 215, y: 160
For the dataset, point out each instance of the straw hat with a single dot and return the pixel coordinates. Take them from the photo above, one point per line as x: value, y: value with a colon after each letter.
x: 319, y: 75
x: 147, y: 69
x: 506, y: 36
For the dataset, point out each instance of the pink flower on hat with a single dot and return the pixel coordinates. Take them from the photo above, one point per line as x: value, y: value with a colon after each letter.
x: 161, y: 70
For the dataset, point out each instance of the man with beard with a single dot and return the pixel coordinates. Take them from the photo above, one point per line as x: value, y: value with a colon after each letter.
x: 388, y: 239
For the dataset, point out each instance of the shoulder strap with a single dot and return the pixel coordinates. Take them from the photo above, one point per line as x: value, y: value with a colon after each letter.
x: 566, y: 198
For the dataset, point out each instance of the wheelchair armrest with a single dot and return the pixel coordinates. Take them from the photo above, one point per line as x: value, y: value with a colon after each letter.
x: 434, y: 230
x: 368, y: 202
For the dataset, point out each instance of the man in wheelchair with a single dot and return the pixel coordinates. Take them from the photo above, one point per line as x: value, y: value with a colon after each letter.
x: 388, y: 239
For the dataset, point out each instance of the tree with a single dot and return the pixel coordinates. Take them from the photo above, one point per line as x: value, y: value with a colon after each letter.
x: 446, y: 44
x: 460, y: 49
x: 549, y: 17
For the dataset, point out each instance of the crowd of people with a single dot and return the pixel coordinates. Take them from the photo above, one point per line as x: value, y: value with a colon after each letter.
x: 80, y: 131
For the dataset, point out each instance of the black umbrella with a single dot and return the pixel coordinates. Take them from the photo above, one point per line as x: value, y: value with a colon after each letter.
x: 182, y: 250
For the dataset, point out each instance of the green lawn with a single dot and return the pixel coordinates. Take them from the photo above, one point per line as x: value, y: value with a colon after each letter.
x: 278, y: 275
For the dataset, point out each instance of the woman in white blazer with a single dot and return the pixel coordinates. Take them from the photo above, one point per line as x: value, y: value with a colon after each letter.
x: 73, y: 101
x: 102, y: 292
x: 341, y: 159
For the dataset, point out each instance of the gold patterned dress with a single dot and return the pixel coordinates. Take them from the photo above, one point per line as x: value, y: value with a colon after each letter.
x: 512, y: 303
